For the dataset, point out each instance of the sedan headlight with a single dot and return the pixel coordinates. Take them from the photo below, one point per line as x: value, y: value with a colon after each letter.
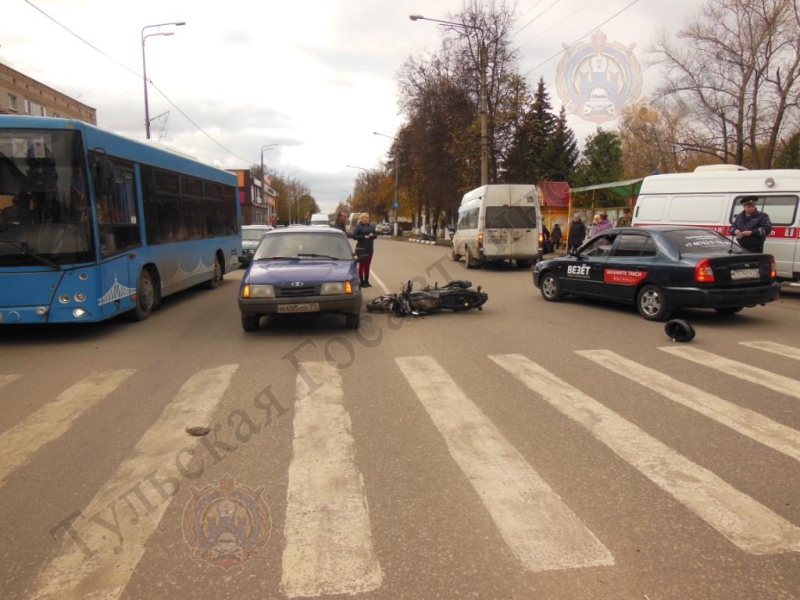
x: 336, y: 287
x: 258, y: 291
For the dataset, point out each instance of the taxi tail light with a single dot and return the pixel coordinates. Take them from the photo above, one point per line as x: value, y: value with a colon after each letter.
x: 246, y: 291
x: 480, y: 241
x: 703, y: 271
x: 773, y: 269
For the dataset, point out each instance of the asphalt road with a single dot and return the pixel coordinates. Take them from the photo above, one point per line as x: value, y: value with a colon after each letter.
x: 529, y: 450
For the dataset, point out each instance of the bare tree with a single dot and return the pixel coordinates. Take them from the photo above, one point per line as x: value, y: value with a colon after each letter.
x: 737, y: 66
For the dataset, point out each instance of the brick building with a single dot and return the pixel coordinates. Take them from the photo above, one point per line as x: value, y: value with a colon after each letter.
x: 257, y: 201
x: 23, y: 95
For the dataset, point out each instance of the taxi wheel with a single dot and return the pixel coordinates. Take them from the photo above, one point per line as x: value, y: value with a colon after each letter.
x: 551, y: 288
x: 653, y: 304
x: 468, y: 259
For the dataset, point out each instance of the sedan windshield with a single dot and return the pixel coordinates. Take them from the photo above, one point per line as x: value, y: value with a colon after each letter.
x: 253, y: 234
x: 304, y: 245
x: 702, y: 243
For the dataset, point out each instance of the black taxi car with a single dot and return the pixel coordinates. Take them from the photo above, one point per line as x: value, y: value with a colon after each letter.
x: 662, y: 268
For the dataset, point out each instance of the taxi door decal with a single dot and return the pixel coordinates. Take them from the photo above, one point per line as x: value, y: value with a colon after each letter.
x: 623, y: 276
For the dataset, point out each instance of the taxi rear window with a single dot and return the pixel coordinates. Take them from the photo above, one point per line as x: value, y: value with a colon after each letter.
x: 701, y: 242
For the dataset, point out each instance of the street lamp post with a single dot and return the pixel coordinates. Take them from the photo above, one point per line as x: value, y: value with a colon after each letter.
x: 369, y: 199
x: 396, y: 177
x: 144, y: 67
x: 484, y: 60
x: 263, y: 180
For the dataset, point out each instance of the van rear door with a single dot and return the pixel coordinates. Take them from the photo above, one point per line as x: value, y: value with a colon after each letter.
x: 511, y: 232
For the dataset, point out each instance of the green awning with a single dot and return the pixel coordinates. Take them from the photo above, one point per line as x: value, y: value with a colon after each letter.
x: 628, y: 187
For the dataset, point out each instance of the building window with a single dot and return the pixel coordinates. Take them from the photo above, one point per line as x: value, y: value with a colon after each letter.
x: 28, y: 106
x: 13, y: 103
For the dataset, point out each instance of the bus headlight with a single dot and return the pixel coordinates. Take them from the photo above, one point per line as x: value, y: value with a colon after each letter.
x: 63, y: 298
x: 80, y: 297
x: 79, y: 313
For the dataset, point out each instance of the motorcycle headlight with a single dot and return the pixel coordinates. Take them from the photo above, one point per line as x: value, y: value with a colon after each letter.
x: 335, y: 287
x: 258, y: 291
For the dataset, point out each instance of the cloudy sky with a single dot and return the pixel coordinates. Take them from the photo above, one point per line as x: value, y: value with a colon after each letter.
x: 315, y: 76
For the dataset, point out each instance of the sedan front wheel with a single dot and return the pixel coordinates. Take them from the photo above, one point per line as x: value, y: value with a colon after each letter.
x: 550, y: 287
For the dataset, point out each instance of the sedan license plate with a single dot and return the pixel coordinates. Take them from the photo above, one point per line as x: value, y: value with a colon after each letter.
x: 738, y: 274
x: 298, y: 308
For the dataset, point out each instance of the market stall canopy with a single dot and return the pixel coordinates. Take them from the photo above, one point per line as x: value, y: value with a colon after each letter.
x: 626, y: 188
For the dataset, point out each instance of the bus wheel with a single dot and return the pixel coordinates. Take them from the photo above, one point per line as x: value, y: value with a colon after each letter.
x: 468, y: 262
x: 145, y: 296
x: 216, y: 276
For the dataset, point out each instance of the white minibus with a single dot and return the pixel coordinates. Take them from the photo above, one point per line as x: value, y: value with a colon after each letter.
x: 710, y: 197
x: 499, y: 222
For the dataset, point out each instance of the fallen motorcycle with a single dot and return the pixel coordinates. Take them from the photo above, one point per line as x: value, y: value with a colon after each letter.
x: 456, y: 296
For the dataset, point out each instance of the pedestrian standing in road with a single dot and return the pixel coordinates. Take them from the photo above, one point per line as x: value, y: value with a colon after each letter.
x: 750, y: 226
x: 625, y: 219
x: 555, y: 237
x: 546, y: 245
x: 577, y: 231
x: 341, y: 222
x: 364, y: 234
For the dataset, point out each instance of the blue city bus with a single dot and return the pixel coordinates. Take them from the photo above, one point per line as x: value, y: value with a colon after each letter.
x: 94, y: 225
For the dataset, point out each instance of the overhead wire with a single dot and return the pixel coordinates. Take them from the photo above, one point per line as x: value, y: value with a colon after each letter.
x: 537, y: 16
x: 579, y: 38
x: 569, y: 16
x: 150, y: 81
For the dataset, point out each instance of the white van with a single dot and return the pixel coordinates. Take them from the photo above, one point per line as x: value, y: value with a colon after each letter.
x: 499, y: 222
x: 320, y: 220
x: 709, y: 197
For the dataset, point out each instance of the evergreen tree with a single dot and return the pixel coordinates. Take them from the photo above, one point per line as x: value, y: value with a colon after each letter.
x: 601, y: 163
x: 562, y: 152
x: 543, y: 124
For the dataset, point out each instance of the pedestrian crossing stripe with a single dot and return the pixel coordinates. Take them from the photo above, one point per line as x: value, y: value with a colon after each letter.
x: 746, y: 523
x: 775, y: 348
x: 6, y: 379
x: 106, y: 572
x: 55, y: 418
x: 329, y: 547
x: 742, y: 420
x: 539, y: 528
x: 740, y: 370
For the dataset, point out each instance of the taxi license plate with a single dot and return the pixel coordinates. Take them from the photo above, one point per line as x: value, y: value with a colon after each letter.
x: 737, y: 274
x: 298, y: 308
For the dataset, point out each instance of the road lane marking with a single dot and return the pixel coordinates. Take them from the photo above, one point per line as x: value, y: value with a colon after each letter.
x: 104, y: 575
x: 740, y: 370
x: 329, y: 548
x: 55, y: 418
x: 542, y: 532
x: 775, y: 348
x: 746, y: 523
x: 6, y: 379
x: 743, y: 420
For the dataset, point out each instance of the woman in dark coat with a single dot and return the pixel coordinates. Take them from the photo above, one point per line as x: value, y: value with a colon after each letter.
x: 577, y: 231
x: 364, y: 234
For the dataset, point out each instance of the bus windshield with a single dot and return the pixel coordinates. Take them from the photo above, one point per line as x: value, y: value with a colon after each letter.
x: 45, y: 213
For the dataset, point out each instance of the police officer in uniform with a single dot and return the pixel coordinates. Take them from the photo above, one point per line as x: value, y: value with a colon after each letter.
x: 751, y: 227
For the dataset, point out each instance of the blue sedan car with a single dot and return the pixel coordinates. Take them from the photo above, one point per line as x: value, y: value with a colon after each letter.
x: 301, y: 271
x: 662, y: 268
